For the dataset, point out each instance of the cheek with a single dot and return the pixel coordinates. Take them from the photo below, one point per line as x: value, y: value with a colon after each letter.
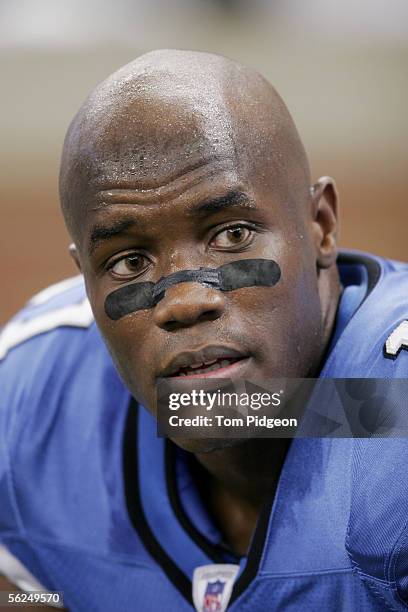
x: 123, y: 336
x: 126, y: 340
x: 285, y: 323
x: 302, y: 319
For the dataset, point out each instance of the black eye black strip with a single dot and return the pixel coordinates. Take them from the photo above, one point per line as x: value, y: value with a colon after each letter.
x: 231, y: 276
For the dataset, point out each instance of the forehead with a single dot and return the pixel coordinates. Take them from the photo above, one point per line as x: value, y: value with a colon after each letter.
x: 151, y: 142
x: 159, y: 152
x: 159, y: 145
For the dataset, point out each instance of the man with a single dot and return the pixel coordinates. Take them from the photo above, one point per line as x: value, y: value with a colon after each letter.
x: 183, y: 161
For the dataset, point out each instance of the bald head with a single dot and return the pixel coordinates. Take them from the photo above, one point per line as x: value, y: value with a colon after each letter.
x: 169, y: 112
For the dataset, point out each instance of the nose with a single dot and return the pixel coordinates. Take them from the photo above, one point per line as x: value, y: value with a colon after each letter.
x: 186, y: 304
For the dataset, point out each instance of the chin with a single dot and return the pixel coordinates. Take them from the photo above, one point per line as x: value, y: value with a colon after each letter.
x: 206, y: 445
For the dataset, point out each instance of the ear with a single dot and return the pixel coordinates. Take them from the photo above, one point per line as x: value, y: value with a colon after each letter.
x: 74, y: 254
x: 324, y: 219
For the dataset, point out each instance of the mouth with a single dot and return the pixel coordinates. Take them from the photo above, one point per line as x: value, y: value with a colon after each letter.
x: 208, y: 362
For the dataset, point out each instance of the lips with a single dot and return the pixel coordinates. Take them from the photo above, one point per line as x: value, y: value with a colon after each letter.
x: 203, y: 362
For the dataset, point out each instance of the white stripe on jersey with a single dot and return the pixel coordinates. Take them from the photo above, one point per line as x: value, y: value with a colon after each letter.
x: 17, y: 574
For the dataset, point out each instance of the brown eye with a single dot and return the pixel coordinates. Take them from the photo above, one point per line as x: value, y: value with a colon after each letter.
x: 130, y: 265
x: 233, y: 236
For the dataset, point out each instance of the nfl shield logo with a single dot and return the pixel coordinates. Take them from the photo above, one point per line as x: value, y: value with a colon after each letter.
x: 212, y: 586
x: 213, y: 596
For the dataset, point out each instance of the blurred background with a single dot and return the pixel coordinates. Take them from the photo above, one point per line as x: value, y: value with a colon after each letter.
x: 340, y: 66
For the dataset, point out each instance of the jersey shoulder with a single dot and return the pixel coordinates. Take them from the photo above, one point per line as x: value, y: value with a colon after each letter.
x: 42, y: 341
x: 59, y: 389
x: 39, y: 347
x: 61, y: 305
x: 374, y: 343
x: 46, y: 351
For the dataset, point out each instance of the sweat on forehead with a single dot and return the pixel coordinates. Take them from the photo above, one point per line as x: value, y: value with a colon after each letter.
x: 168, y: 112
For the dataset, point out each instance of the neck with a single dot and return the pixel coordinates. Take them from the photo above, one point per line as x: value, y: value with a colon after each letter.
x: 236, y: 482
x: 246, y: 469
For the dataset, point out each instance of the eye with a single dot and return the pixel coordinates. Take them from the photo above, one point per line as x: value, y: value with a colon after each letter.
x: 236, y: 236
x: 129, y: 266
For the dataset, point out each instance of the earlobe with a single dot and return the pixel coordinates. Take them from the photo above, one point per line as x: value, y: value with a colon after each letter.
x: 324, y: 217
x: 74, y: 254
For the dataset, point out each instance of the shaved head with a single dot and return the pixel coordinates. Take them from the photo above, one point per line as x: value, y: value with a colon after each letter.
x: 168, y: 112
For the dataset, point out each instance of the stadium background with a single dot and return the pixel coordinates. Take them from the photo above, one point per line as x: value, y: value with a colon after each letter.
x: 340, y: 66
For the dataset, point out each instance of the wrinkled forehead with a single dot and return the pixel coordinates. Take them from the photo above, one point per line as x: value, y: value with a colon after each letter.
x: 152, y: 131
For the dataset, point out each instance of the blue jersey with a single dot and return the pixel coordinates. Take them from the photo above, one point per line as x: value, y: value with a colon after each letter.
x: 95, y: 505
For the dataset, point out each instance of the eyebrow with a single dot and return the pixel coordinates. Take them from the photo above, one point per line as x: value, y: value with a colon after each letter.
x: 232, y: 199
x: 101, y: 233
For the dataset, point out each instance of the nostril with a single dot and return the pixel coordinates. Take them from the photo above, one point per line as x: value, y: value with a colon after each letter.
x: 189, y: 316
x: 187, y: 304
